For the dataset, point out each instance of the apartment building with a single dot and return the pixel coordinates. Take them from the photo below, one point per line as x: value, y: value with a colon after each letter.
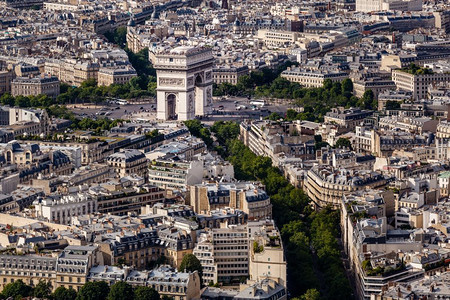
x: 139, y: 248
x: 175, y: 174
x: 384, y: 142
x: 224, y: 254
x: 443, y: 129
x: 312, y: 78
x: 63, y: 210
x: 91, y: 150
x: 244, y: 196
x: 6, y: 76
x: 409, y: 124
x: 277, y: 38
x: 164, y: 279
x: 141, y: 36
x: 266, y: 252
x: 348, y: 118
x: 268, y: 138
x: 29, y: 268
x: 418, y: 84
x: 326, y: 185
x: 376, y: 86
x: 111, y: 75
x: 73, y: 265
x: 128, y: 162
x: 71, y: 71
x: 386, y: 5
x: 376, y: 254
x: 229, y: 74
x: 129, y: 200
x: 24, y: 86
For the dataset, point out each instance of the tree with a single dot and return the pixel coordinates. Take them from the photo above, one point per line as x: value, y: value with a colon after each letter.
x: 146, y: 293
x: 368, y: 101
x: 327, y: 84
x: 7, y: 99
x: 120, y: 290
x: 61, y: 293
x: 93, y: 291
x: 274, y: 116
x: 291, y: 115
x: 343, y: 143
x: 43, y: 289
x: 194, y: 126
x: 347, y: 86
x: 311, y: 294
x: 17, y: 289
x: 190, y: 263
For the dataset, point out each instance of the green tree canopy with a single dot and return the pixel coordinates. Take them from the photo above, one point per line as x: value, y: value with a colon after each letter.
x: 43, y: 289
x: 347, y: 86
x: 343, y: 143
x: 120, y: 290
x: 61, y: 293
x: 368, y: 101
x: 17, y: 289
x: 146, y: 293
x: 190, y: 263
x: 311, y: 294
x: 93, y: 291
x: 274, y: 116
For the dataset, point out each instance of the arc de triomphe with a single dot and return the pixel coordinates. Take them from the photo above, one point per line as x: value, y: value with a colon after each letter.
x: 184, y: 88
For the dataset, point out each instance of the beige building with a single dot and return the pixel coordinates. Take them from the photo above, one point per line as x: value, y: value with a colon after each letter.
x: 72, y: 71
x: 377, y: 87
x: 244, y: 196
x: 90, y: 151
x: 6, y: 77
x: 108, y: 76
x: 443, y: 129
x: 229, y: 74
x: 141, y: 36
x: 348, y: 118
x: 266, y: 258
x: 69, y: 269
x: 418, y: 84
x: 23, y: 86
x: 312, y: 78
x: 29, y: 268
x: 128, y: 162
x: 277, y: 38
x: 388, y: 5
x: 326, y: 186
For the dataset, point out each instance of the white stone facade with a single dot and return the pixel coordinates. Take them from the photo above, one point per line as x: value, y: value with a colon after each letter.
x: 185, y: 81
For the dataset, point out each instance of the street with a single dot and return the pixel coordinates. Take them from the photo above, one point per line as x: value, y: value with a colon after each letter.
x: 232, y: 108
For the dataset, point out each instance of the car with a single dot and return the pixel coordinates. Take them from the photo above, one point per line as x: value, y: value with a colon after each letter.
x: 235, y: 102
x: 141, y: 107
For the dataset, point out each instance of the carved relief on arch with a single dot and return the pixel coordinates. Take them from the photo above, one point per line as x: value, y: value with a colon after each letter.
x: 164, y: 81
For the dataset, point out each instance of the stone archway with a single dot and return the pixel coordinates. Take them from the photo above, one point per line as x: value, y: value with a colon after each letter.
x: 199, y: 94
x: 171, y: 107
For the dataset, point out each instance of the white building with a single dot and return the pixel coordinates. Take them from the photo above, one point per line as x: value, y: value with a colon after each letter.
x: 388, y: 5
x: 224, y: 254
x: 64, y: 209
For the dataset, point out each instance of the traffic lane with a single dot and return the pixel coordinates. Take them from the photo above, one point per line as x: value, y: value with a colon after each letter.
x: 112, y: 111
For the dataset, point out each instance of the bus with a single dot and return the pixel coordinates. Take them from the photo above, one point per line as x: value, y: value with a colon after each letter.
x: 121, y: 101
x: 259, y: 103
